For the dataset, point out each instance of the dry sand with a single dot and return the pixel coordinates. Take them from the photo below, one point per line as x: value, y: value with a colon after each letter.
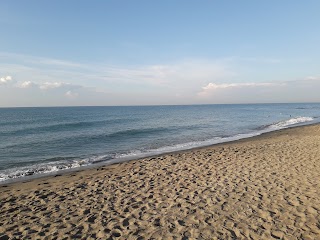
x: 260, y: 188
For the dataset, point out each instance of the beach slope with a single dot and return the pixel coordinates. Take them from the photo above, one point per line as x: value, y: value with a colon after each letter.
x: 259, y: 188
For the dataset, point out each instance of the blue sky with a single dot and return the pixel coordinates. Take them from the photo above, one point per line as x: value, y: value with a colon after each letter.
x: 158, y: 52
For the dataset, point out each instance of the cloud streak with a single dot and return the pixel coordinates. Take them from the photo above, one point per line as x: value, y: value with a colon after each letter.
x: 302, y: 90
x: 46, y: 85
x: 214, y: 86
x: 99, y: 74
x: 52, y: 85
x: 181, y: 82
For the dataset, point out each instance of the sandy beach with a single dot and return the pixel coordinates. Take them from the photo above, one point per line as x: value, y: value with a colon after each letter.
x: 266, y: 187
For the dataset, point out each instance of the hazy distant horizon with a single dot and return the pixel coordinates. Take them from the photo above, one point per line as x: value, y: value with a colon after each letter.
x: 155, y: 105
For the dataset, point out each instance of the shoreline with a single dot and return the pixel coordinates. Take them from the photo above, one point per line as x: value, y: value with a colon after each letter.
x: 263, y: 187
x: 137, y: 158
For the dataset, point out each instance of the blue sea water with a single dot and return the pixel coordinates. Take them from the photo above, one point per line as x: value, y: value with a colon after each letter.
x: 43, y: 140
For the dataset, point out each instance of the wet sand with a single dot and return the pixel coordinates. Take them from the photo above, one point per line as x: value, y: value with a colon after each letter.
x: 266, y: 187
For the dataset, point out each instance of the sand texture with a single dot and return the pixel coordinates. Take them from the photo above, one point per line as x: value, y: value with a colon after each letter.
x: 267, y: 187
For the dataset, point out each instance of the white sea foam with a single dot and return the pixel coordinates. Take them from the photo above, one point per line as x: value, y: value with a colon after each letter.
x: 290, y: 122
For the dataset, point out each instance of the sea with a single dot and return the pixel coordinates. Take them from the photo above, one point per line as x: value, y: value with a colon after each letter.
x: 44, y: 140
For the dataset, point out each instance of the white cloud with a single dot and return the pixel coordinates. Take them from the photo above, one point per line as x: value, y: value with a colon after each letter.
x: 303, y: 90
x: 52, y: 85
x: 26, y: 84
x: 47, y: 86
x: 5, y: 80
x: 71, y: 94
x: 214, y: 86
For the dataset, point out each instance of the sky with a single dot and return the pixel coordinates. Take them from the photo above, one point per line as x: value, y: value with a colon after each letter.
x: 116, y: 52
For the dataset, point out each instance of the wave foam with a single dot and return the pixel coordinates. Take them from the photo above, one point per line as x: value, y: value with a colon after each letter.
x: 290, y: 122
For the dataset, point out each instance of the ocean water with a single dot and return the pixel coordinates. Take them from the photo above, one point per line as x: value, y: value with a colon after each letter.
x: 44, y: 140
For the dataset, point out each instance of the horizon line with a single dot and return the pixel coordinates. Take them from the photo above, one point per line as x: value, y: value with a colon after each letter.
x: 159, y: 105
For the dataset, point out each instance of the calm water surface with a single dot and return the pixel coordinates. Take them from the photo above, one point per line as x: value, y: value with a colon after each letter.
x: 40, y: 140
